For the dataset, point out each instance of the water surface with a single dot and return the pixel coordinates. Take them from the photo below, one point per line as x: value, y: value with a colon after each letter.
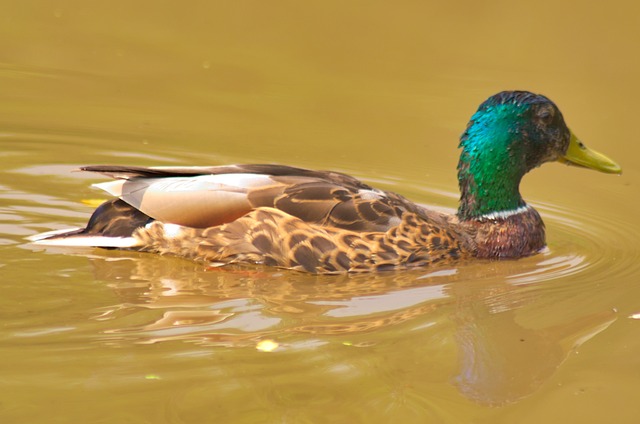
x: 377, y: 91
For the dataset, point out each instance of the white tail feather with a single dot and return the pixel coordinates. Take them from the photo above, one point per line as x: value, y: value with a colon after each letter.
x: 56, y: 238
x: 48, y: 234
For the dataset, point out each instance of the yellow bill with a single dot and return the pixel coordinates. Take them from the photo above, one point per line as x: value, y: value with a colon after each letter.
x: 580, y: 155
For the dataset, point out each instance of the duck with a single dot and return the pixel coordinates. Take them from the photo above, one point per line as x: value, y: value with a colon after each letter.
x: 326, y: 222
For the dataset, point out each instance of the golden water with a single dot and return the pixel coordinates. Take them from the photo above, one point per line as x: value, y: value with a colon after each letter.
x: 377, y: 90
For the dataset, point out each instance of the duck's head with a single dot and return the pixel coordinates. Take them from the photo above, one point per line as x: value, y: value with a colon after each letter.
x: 511, y: 133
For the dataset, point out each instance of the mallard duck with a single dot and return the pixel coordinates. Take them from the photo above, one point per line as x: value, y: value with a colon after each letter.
x: 329, y: 222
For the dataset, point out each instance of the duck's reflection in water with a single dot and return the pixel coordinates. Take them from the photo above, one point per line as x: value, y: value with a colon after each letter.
x: 503, y: 355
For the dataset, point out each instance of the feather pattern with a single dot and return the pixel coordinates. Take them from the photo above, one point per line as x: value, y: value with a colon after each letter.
x: 272, y: 237
x: 225, y: 193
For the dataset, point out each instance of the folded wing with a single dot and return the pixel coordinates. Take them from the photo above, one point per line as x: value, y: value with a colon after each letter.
x: 203, y: 197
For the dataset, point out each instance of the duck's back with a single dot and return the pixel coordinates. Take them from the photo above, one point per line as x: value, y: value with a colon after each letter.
x: 202, y: 197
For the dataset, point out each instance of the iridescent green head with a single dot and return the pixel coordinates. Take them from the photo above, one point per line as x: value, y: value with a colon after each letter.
x: 511, y: 133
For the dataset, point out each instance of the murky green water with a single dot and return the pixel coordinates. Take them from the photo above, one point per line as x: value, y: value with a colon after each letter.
x: 379, y: 91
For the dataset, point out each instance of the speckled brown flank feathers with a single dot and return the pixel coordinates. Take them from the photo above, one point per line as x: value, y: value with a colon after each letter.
x: 271, y: 237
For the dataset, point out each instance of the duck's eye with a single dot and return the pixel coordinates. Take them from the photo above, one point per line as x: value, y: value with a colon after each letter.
x: 545, y: 115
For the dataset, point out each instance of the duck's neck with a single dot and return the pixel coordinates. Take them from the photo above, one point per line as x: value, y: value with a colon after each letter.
x: 492, y: 163
x: 488, y: 187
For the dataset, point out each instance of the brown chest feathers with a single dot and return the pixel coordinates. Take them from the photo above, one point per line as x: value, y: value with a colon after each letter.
x: 507, y: 235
